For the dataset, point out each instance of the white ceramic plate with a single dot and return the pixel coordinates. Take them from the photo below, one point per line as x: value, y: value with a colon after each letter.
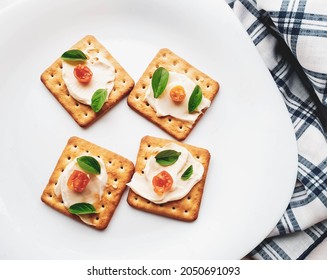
x: 247, y: 130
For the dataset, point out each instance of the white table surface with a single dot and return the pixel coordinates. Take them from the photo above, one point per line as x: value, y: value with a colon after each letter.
x: 320, y: 253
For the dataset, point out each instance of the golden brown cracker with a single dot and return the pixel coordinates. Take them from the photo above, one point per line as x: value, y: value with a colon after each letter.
x: 119, y: 170
x: 81, y: 113
x: 185, y: 209
x: 179, y: 129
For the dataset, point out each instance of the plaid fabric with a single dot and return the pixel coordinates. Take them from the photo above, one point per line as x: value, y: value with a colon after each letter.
x: 302, y: 24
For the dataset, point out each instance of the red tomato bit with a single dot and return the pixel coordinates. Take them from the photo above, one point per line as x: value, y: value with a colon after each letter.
x: 78, y: 181
x: 83, y: 73
x: 162, y: 182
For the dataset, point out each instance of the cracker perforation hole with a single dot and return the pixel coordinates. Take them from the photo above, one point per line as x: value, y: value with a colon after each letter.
x: 135, y: 198
x: 186, y: 211
x: 109, y: 193
x: 173, y: 208
x: 75, y: 146
x: 142, y: 171
x: 175, y: 62
x: 186, y: 71
x: 115, y: 179
x: 69, y: 158
x: 50, y: 195
x: 137, y: 97
x: 86, y: 114
x: 147, y: 104
x: 97, y: 218
x: 77, y: 104
x: 102, y: 206
x: 180, y: 127
x: 169, y: 119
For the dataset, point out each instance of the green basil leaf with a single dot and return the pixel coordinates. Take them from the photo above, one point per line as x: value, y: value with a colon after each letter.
x: 75, y: 55
x: 195, y: 99
x: 89, y: 164
x: 98, y: 99
x: 82, y: 208
x: 167, y: 157
x: 187, y: 173
x: 159, y: 81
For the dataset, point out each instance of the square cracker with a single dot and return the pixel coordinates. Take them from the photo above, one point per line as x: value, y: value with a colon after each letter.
x: 119, y: 170
x: 81, y: 113
x: 179, y: 129
x: 185, y: 209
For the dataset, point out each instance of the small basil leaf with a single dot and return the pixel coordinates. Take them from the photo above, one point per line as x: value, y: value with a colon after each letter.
x: 167, y: 157
x: 159, y: 81
x: 187, y: 173
x: 75, y: 55
x: 89, y: 164
x: 82, y: 208
x: 195, y: 99
x: 98, y: 99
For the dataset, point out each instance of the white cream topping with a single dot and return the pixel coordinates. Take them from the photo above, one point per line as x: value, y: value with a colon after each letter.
x: 93, y: 191
x: 142, y: 183
x: 164, y: 105
x: 103, y: 76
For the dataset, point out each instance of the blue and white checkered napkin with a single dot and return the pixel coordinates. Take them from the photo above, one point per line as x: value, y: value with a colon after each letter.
x: 302, y: 24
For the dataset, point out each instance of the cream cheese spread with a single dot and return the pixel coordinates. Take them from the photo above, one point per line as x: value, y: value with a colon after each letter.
x: 142, y: 183
x: 91, y: 194
x: 103, y: 76
x: 164, y: 105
